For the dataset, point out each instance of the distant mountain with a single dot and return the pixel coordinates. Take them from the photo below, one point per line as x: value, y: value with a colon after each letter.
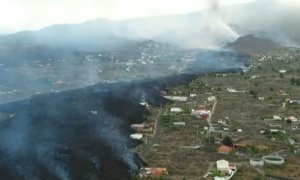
x: 205, y: 29
x: 250, y: 44
x: 272, y: 19
x: 188, y: 31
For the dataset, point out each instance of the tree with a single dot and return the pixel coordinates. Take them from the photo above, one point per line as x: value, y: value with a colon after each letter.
x: 227, y: 141
x: 288, y: 121
x: 253, y: 93
x: 293, y: 81
x: 298, y: 82
x: 281, y: 75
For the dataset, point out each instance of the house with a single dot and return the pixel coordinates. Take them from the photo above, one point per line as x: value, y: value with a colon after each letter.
x: 254, y: 77
x: 144, y: 103
x: 176, y: 110
x: 276, y: 118
x: 292, y: 118
x: 138, y: 127
x: 282, y: 71
x: 239, y: 130
x: 283, y: 93
x: 136, y: 136
x: 276, y: 125
x: 277, y: 130
x: 201, y: 113
x: 176, y: 98
x: 221, y: 121
x: 153, y: 172
x: 224, y: 149
x: 179, y: 123
x: 223, y: 165
x: 232, y: 90
x: 261, y: 98
x: 193, y: 95
x: 212, y: 98
x: 294, y: 102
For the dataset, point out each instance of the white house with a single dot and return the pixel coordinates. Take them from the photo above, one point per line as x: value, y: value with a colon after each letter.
x: 212, y: 98
x: 223, y: 165
x: 193, y: 95
x: 176, y: 98
x: 232, y: 90
x: 276, y: 118
x: 176, y: 110
x: 282, y: 71
x: 136, y: 136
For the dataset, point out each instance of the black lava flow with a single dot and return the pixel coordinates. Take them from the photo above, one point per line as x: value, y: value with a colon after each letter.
x: 80, y: 134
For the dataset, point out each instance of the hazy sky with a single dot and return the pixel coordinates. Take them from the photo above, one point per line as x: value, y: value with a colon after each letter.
x: 16, y: 15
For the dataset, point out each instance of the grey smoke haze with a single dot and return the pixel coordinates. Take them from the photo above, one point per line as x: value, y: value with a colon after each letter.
x: 210, y: 28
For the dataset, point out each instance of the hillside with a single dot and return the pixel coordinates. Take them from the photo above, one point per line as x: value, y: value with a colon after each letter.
x: 250, y: 44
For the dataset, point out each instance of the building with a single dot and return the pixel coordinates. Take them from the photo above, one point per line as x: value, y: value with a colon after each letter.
x: 223, y: 165
x: 201, y: 113
x: 153, y: 172
x: 176, y: 110
x: 276, y: 118
x: 144, y: 103
x: 224, y: 149
x: 294, y: 102
x: 179, y: 123
x: 232, y: 90
x: 292, y: 118
x: 282, y: 71
x: 136, y: 136
x: 176, y: 98
x: 282, y: 93
x: 138, y: 127
x: 212, y: 98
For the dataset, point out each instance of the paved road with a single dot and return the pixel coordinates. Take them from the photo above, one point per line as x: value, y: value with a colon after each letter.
x: 156, y: 134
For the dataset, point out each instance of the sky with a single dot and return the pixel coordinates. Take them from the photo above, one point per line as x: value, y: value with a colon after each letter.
x: 18, y: 15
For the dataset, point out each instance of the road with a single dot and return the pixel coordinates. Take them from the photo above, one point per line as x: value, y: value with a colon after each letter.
x: 156, y: 134
x: 209, y: 117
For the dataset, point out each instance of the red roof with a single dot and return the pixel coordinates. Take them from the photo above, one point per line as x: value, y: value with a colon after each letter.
x: 224, y: 149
